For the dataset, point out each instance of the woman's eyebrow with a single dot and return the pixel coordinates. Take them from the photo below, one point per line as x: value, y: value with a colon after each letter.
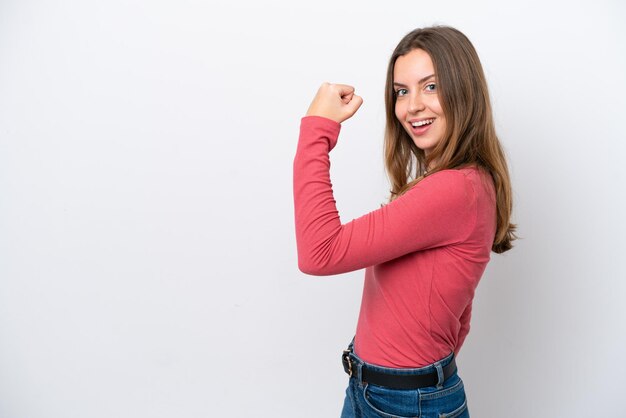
x: 419, y: 82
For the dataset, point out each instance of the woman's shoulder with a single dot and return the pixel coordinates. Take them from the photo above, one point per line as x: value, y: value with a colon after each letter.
x: 480, y: 179
x: 459, y: 176
x: 474, y: 178
x: 469, y: 172
x: 451, y: 187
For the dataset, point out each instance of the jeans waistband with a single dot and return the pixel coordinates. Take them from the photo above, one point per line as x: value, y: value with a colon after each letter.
x: 437, y: 367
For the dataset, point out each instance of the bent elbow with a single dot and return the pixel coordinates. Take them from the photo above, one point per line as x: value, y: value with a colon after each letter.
x: 308, y: 266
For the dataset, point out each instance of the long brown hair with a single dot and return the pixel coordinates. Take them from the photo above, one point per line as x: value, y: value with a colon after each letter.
x: 470, y: 137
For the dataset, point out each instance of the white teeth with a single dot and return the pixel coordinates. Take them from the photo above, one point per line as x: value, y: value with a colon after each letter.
x: 422, y: 122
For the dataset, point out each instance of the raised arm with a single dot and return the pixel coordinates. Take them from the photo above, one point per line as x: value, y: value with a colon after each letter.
x: 440, y: 210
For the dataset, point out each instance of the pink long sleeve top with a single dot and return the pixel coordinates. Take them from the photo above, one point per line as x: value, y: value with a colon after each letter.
x: 423, y: 253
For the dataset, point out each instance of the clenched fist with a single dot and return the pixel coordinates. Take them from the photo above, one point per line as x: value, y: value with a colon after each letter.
x: 335, y: 101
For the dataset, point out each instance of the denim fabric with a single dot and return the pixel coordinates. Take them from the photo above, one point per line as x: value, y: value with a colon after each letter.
x: 445, y: 400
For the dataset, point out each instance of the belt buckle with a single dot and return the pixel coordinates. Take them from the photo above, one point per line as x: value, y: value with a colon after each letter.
x: 347, y: 363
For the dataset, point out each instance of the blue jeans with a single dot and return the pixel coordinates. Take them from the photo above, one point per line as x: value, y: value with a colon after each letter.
x: 445, y: 400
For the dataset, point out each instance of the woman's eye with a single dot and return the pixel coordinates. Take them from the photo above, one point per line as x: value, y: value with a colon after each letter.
x: 401, y: 92
x: 431, y: 87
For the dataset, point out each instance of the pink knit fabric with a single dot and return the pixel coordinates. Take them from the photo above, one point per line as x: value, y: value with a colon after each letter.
x: 423, y: 254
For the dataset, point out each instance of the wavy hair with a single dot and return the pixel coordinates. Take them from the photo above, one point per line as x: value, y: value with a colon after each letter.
x: 470, y: 137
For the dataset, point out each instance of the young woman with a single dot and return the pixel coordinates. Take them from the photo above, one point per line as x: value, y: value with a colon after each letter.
x: 425, y: 251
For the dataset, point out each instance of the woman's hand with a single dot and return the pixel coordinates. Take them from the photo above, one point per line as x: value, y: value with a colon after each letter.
x: 335, y: 101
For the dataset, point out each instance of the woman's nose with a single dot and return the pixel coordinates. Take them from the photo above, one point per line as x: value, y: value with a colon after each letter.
x: 415, y: 103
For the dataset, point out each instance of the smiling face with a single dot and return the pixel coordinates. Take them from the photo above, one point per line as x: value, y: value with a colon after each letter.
x: 417, y: 101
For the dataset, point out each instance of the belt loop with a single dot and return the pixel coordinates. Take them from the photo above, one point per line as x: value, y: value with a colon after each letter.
x: 440, y: 376
x: 359, y: 373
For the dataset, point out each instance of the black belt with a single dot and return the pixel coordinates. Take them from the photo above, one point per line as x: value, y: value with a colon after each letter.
x: 396, y: 381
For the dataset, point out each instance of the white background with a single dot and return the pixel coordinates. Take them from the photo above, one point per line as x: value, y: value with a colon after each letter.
x: 147, y: 248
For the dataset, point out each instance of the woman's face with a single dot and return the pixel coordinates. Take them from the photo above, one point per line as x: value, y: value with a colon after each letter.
x: 417, y: 99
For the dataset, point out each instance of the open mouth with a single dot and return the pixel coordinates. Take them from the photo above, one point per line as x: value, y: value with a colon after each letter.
x: 421, y: 123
